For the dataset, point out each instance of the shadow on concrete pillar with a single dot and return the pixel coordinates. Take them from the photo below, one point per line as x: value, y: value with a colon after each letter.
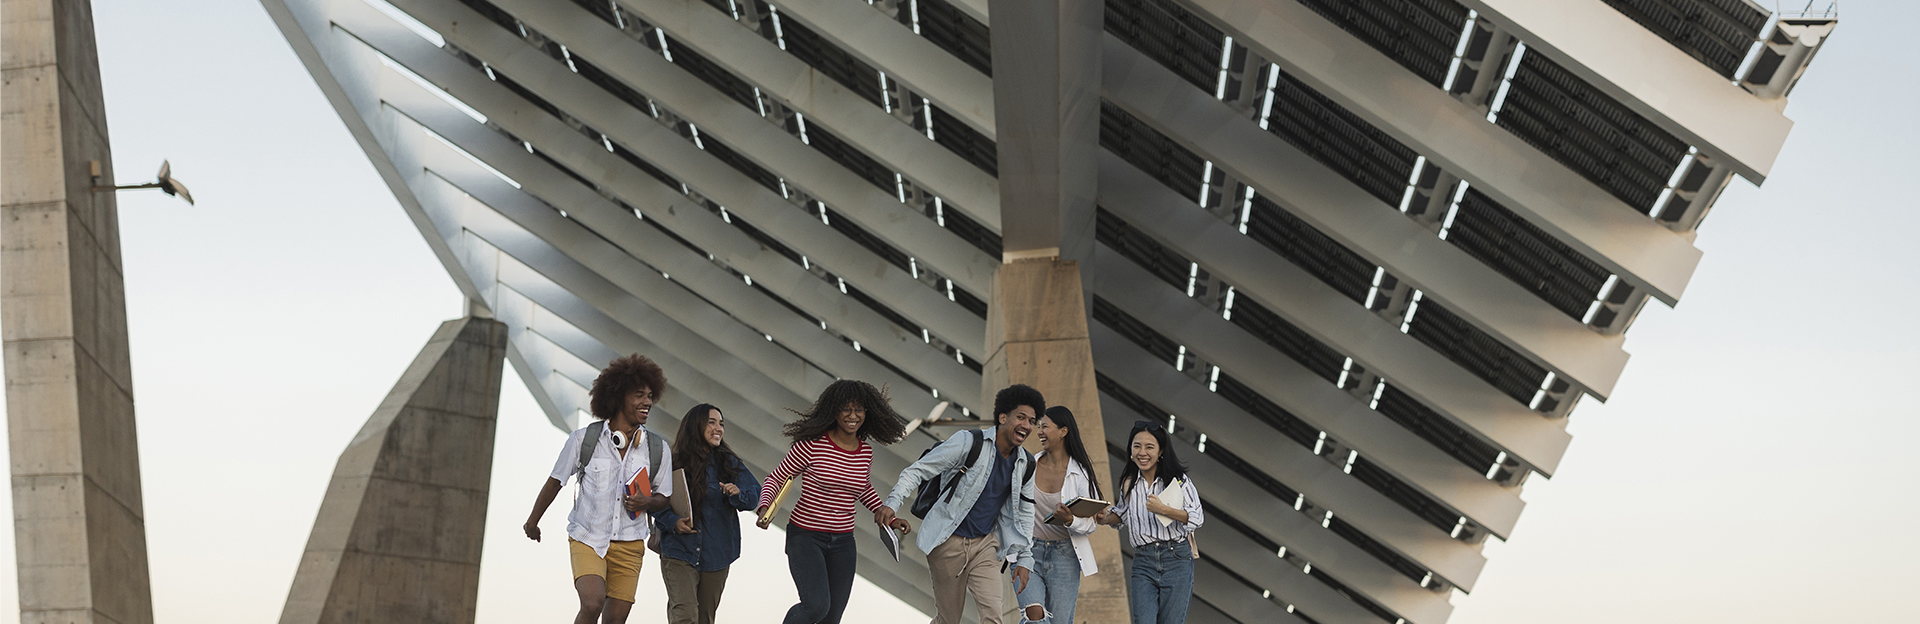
x: 398, y: 536
x: 78, y: 520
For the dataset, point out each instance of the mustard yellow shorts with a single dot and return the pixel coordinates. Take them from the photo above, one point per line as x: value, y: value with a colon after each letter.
x: 620, y: 569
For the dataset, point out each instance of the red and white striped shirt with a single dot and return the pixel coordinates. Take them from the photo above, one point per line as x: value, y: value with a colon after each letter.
x: 830, y: 479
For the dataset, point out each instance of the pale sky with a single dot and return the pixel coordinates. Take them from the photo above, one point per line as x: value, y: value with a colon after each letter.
x: 1749, y: 467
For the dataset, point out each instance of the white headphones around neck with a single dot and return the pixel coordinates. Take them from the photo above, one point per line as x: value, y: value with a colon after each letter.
x: 620, y: 440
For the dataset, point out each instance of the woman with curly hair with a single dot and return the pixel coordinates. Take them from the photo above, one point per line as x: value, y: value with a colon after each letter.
x: 607, y: 531
x: 832, y: 459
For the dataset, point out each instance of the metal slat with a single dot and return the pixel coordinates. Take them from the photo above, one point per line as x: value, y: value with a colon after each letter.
x: 1294, y: 391
x: 769, y: 210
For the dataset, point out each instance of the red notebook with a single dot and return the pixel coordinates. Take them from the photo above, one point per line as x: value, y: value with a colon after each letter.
x: 636, y: 486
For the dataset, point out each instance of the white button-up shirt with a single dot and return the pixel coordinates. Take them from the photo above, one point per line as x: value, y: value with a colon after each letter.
x: 599, y: 517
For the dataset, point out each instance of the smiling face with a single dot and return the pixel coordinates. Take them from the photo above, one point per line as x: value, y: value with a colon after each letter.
x: 1053, y: 438
x: 1016, y: 425
x: 1145, y: 451
x: 638, y: 404
x: 852, y: 415
x: 715, y: 430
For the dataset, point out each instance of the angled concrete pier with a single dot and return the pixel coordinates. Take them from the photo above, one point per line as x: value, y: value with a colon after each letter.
x: 398, y: 535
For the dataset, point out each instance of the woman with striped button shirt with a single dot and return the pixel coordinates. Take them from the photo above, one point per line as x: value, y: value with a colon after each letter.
x: 1160, y: 583
x: 832, y: 459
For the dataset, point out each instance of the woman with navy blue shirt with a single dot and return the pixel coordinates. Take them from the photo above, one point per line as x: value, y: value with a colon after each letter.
x: 695, y: 555
x: 1160, y: 579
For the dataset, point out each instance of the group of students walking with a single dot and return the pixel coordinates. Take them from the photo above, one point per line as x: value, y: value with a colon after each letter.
x: 987, y: 515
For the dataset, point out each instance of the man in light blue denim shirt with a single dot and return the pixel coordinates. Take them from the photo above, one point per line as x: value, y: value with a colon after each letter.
x: 988, y: 518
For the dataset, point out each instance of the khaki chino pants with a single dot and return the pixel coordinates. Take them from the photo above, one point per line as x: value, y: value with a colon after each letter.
x: 963, y: 564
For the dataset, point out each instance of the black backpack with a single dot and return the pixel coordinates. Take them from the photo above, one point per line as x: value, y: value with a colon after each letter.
x: 941, y: 486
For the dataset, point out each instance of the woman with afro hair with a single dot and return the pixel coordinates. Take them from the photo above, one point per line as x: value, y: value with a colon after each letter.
x: 833, y: 461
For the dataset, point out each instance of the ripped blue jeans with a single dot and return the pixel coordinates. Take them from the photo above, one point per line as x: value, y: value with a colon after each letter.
x: 1054, y: 584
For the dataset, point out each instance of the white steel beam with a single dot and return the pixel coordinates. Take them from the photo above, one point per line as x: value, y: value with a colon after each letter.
x: 911, y: 59
x: 1321, y: 197
x: 1226, y: 491
x: 1321, y: 482
x: 758, y: 61
x: 610, y: 233
x: 1126, y: 285
x: 1285, y: 461
x: 1284, y: 577
x: 1346, y: 420
x: 1459, y: 139
x: 699, y: 170
x: 1320, y: 479
x: 401, y: 135
x: 1235, y: 599
x: 1330, y: 317
x: 1629, y: 63
x: 701, y: 299
x: 715, y: 114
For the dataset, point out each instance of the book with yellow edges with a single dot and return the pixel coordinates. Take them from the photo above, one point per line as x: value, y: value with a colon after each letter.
x: 773, y: 510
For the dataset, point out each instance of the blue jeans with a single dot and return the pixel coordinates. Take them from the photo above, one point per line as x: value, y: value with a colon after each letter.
x: 1054, y: 584
x: 822, y: 566
x: 1160, y: 585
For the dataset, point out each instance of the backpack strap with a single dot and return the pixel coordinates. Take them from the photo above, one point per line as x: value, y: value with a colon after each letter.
x: 587, y: 442
x: 654, y: 452
x: 973, y: 455
x: 1028, y: 478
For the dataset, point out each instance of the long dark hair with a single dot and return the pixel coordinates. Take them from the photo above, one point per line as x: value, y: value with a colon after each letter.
x: 882, y: 425
x: 1063, y: 418
x: 691, y: 453
x: 1169, y: 466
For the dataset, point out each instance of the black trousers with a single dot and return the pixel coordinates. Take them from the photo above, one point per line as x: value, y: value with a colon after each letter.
x: 822, y: 566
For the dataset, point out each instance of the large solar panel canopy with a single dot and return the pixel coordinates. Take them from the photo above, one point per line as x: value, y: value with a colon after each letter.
x: 1364, y: 258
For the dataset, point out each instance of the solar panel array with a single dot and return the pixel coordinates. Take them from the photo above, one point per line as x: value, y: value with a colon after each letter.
x: 1716, y: 32
x: 1392, y: 434
x: 1589, y: 132
x: 1418, y: 34
x: 1171, y: 35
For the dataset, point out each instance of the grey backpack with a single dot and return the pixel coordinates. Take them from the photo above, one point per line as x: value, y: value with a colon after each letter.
x: 654, y: 451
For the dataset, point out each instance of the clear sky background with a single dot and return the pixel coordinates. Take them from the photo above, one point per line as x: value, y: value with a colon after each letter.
x: 1754, y: 465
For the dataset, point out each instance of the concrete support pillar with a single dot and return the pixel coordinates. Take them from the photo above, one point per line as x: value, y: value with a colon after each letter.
x: 1046, y: 90
x: 1037, y: 331
x: 79, y: 528
x: 398, y: 535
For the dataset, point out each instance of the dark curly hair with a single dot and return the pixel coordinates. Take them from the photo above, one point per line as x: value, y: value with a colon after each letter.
x: 883, y: 425
x: 620, y: 378
x: 1016, y: 395
x: 690, y: 452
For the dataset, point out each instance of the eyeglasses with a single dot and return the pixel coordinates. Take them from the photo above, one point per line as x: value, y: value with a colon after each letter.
x: 1143, y: 425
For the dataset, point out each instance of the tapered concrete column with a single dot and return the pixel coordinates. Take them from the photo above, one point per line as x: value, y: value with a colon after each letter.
x: 1046, y: 90
x: 1037, y: 327
x: 398, y: 535
x: 79, y: 529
